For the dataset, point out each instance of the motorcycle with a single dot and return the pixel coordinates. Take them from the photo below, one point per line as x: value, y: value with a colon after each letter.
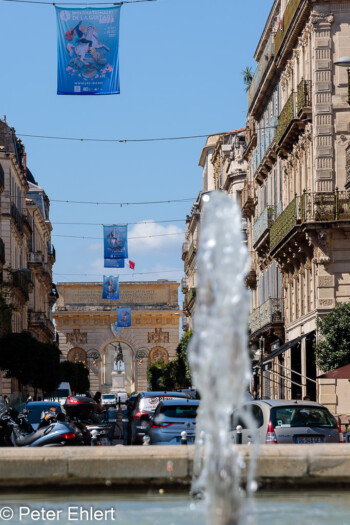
x: 53, y: 430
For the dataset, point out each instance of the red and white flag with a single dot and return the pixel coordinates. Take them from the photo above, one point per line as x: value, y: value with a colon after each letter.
x: 132, y: 265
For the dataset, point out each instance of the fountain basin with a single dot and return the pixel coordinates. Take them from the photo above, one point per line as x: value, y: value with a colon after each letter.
x: 160, y: 466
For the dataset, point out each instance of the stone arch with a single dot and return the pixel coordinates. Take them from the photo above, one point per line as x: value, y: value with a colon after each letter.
x: 77, y: 355
x: 158, y: 352
x: 107, y: 352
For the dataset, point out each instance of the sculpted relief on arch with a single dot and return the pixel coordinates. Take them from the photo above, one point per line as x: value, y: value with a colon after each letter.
x: 158, y: 353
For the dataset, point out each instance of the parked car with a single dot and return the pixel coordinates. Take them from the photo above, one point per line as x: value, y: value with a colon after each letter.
x: 170, y: 419
x: 36, y: 410
x: 145, y: 406
x: 282, y: 421
x: 85, y: 409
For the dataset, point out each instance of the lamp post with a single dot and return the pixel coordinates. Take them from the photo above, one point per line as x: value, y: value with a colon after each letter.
x: 345, y: 62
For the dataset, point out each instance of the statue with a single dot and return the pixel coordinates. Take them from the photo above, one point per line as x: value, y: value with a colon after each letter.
x: 119, y: 359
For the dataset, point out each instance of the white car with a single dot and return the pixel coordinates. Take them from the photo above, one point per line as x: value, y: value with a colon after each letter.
x: 108, y: 400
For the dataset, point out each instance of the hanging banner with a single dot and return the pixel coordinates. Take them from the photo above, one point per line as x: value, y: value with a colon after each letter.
x: 114, y: 263
x: 88, y: 51
x: 115, y: 241
x: 123, y: 317
x: 110, y: 287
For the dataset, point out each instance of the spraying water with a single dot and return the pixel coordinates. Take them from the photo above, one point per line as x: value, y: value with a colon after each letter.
x: 218, y: 355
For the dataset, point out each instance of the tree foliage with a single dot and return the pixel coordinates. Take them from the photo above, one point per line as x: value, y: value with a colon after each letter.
x: 77, y: 375
x: 5, y: 316
x: 172, y: 375
x: 247, y: 77
x: 333, y: 347
x: 31, y: 362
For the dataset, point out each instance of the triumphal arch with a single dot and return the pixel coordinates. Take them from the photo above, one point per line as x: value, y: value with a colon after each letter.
x: 87, y: 328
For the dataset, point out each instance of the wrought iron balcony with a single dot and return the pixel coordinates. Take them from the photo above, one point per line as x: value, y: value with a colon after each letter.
x: 310, y: 207
x: 288, y: 17
x: 189, y: 298
x: 51, y: 252
x: 17, y: 216
x: 268, y: 313
x: 21, y: 280
x: 2, y: 251
x: 347, y: 167
x: 247, y: 199
x: 293, y: 115
x: 184, y: 287
x: 267, y: 136
x: 191, y: 252
x: 39, y: 321
x: 184, y: 250
x: 264, y: 62
x: 2, y: 179
x: 263, y: 223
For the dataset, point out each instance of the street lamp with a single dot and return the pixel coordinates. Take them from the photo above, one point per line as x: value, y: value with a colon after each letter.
x: 345, y: 62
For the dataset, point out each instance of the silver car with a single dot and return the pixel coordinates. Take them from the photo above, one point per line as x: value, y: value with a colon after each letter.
x: 170, y: 419
x: 280, y: 422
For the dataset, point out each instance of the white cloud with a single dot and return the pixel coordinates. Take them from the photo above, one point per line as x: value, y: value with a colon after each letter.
x: 155, y: 237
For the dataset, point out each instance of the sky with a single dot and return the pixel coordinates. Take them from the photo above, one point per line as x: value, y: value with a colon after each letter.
x: 181, y: 65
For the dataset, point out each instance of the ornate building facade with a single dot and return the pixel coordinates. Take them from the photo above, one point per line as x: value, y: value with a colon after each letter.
x: 224, y: 168
x: 295, y: 199
x: 86, y: 325
x: 26, y: 252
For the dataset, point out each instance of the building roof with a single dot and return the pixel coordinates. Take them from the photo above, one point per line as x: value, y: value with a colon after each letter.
x: 339, y: 373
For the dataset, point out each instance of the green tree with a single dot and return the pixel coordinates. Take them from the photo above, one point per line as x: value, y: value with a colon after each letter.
x: 247, y: 77
x: 333, y: 347
x: 77, y: 375
x: 5, y: 316
x: 172, y: 375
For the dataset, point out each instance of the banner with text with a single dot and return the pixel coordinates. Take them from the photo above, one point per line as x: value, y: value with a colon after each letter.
x: 110, y: 287
x: 114, y: 263
x: 123, y: 317
x: 88, y: 51
x: 115, y: 241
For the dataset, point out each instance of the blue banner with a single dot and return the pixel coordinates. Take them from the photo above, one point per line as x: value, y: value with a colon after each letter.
x: 114, y: 263
x: 88, y: 51
x: 110, y: 287
x: 115, y: 241
x: 123, y: 316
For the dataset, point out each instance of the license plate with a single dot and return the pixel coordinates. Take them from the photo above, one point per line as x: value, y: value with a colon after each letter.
x: 309, y: 439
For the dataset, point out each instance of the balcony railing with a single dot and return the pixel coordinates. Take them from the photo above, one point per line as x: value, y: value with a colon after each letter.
x: 22, y: 280
x: 190, y: 296
x: 269, y: 312
x: 2, y: 251
x: 2, y: 179
x: 310, y: 207
x: 288, y: 16
x: 184, y: 250
x: 39, y: 320
x: 264, y: 62
x: 295, y: 108
x: 266, y: 138
x: 185, y: 325
x: 347, y: 166
x: 17, y: 216
x: 184, y: 287
x: 51, y: 252
x: 35, y: 258
x: 247, y: 199
x: 263, y: 223
x: 192, y: 251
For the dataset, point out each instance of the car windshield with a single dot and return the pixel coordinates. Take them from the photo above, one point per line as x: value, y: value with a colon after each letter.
x: 108, y: 396
x: 179, y: 411
x: 302, y: 416
x: 37, y: 412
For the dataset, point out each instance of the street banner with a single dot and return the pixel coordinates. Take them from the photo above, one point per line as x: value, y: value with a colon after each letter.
x: 114, y: 263
x: 88, y: 51
x: 123, y: 317
x: 110, y: 287
x: 115, y: 241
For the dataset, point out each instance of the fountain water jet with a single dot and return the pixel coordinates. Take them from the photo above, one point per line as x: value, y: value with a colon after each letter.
x: 218, y: 355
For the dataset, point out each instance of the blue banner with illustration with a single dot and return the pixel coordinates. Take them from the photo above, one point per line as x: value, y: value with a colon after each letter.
x: 114, y: 263
x: 110, y: 287
x: 123, y: 317
x: 115, y: 241
x: 88, y: 51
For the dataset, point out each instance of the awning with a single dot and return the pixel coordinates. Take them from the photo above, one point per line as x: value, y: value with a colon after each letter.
x: 286, y: 346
